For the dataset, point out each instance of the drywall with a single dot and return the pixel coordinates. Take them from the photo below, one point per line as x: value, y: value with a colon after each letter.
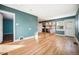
x: 25, y: 24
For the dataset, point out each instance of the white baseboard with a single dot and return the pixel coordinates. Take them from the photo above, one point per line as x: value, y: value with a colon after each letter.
x: 28, y: 37
x: 60, y: 34
x: 63, y: 35
x: 25, y: 38
x: 31, y: 37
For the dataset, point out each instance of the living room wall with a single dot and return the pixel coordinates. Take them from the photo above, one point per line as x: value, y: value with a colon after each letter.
x: 77, y: 25
x: 25, y: 24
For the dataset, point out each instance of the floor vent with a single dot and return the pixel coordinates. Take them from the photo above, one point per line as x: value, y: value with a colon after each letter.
x: 76, y: 43
x: 21, y: 38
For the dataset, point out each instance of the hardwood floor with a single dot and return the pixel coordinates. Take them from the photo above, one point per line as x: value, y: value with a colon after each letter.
x: 49, y: 44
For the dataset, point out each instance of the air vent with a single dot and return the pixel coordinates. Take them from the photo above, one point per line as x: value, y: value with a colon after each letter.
x: 21, y: 38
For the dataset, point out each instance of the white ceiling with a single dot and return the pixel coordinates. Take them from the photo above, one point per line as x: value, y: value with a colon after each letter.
x: 47, y: 11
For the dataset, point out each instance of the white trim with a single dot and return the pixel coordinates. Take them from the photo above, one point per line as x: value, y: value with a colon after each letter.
x: 30, y: 37
x: 36, y: 37
x: 13, y: 22
x: 1, y: 28
x: 26, y: 38
x: 14, y: 27
x: 63, y: 35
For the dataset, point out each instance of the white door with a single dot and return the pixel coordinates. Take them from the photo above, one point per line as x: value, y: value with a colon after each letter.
x: 69, y: 27
x: 1, y: 28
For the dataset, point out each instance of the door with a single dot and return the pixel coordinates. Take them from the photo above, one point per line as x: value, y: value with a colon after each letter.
x: 69, y: 27
x: 1, y: 28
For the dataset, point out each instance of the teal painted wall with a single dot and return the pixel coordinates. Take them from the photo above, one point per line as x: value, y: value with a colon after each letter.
x: 24, y: 21
x: 7, y: 26
x: 77, y: 25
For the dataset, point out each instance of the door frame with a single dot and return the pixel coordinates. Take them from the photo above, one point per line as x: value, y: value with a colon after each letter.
x: 13, y: 22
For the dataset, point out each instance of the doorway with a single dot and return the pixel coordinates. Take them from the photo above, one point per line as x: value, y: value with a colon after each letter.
x: 69, y: 27
x: 8, y: 34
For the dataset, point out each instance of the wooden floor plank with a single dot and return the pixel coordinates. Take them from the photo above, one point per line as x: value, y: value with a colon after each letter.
x: 49, y: 44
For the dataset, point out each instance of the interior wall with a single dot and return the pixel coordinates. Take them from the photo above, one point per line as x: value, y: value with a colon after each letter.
x: 65, y: 21
x: 62, y: 20
x: 69, y: 27
x: 25, y: 24
x: 77, y: 25
x: 65, y: 30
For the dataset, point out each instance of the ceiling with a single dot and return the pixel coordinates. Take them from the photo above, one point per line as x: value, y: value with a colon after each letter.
x: 47, y: 11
